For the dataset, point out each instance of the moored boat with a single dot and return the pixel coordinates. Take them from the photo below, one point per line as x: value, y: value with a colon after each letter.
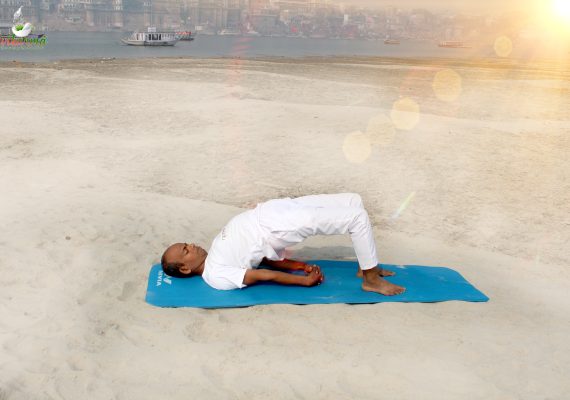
x: 185, y: 35
x: 453, y: 44
x: 229, y: 32
x: 249, y: 31
x: 151, y: 38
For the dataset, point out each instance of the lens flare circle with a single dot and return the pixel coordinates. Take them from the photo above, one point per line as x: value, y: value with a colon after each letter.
x: 447, y: 85
x: 503, y: 46
x: 356, y: 147
x: 405, y: 114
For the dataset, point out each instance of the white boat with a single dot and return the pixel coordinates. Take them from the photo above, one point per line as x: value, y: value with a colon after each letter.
x: 391, y: 41
x: 204, y: 30
x: 152, y: 38
x: 454, y: 44
x: 249, y: 31
x: 229, y: 32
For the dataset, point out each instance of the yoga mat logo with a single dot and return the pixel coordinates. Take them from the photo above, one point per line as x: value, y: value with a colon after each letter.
x: 163, y: 278
x: 21, y: 35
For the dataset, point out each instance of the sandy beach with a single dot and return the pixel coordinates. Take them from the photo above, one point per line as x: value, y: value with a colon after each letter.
x: 460, y: 164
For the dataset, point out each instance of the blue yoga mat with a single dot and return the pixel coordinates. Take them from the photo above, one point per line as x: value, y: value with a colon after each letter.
x: 423, y: 284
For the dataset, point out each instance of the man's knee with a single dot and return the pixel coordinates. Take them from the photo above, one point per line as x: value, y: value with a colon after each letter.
x: 356, y: 200
x: 361, y: 219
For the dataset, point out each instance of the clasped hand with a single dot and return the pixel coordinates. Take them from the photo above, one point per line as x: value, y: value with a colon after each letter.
x: 314, y: 274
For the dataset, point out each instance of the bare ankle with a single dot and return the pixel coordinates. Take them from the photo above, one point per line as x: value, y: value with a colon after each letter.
x: 371, y: 274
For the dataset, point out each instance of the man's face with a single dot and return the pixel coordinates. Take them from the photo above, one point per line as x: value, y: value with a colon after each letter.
x: 188, y: 254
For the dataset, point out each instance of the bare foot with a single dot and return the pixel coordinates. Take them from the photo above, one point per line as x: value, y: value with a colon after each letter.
x: 382, y: 286
x: 372, y: 282
x: 381, y: 272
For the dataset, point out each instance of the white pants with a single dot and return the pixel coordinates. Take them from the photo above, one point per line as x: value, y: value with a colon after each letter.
x: 290, y: 221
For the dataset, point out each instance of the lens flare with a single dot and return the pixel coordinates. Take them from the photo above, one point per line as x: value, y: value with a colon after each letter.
x: 404, y: 205
x: 380, y: 130
x: 405, y: 114
x: 447, y: 85
x: 356, y: 147
x: 503, y: 46
x: 562, y: 8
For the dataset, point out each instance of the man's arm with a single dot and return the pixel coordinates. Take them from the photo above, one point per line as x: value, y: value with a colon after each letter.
x: 265, y: 275
x: 286, y: 264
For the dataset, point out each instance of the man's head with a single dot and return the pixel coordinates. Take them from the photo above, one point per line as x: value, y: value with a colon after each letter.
x: 182, y: 260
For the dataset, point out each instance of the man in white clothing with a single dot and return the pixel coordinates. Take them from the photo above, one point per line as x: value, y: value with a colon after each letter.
x: 259, y: 237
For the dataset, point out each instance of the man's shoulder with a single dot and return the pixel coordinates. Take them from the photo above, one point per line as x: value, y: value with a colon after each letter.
x: 223, y: 277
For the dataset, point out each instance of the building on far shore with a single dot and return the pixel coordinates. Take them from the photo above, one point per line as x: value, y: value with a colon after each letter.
x: 214, y: 15
x: 119, y: 14
x: 108, y: 13
x: 30, y: 11
x: 298, y: 18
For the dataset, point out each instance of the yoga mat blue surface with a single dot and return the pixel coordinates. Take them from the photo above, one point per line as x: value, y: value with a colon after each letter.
x: 423, y: 284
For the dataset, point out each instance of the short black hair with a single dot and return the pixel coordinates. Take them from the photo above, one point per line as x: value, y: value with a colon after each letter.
x: 173, y: 268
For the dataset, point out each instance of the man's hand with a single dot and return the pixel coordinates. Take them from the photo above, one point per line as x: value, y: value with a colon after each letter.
x: 308, y: 267
x: 286, y: 264
x: 314, y: 275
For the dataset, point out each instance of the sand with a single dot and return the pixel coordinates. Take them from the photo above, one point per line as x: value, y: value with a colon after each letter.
x: 105, y: 162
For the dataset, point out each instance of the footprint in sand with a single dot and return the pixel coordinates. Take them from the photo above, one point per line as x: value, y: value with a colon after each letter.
x: 129, y: 289
x: 3, y: 394
x: 193, y: 331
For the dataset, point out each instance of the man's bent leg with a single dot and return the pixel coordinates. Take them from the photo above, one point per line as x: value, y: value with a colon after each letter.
x: 333, y: 221
x: 352, y: 220
x: 352, y: 200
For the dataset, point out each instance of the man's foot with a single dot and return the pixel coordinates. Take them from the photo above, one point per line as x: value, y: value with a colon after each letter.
x: 382, y: 286
x: 381, y: 272
x: 372, y: 282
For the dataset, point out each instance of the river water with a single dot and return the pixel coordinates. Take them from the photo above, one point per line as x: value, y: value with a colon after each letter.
x: 73, y: 45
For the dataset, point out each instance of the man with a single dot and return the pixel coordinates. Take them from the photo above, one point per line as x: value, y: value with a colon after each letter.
x: 261, y: 235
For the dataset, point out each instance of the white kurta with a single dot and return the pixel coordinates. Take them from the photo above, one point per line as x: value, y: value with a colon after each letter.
x: 277, y: 224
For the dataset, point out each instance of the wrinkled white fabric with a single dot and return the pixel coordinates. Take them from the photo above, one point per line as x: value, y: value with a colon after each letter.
x: 271, y: 227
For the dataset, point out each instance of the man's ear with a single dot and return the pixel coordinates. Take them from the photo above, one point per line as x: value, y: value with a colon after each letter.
x: 185, y: 269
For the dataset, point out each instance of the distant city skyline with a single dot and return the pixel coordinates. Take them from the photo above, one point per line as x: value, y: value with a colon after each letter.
x: 481, y: 6
x: 305, y: 18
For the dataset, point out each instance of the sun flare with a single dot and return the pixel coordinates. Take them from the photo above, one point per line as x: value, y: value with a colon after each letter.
x: 562, y: 9
x: 554, y: 19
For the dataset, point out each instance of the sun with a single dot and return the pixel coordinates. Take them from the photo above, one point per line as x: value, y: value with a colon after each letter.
x: 562, y: 9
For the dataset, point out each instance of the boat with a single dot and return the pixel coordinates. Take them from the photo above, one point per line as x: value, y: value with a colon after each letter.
x: 249, y: 31
x: 151, y: 38
x: 391, y: 41
x: 185, y: 35
x: 205, y: 30
x: 454, y: 44
x: 229, y: 32
x: 252, y: 33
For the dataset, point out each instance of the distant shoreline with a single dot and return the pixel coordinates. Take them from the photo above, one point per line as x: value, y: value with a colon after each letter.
x: 557, y: 67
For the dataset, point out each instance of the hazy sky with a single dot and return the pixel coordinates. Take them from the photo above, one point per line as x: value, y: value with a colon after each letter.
x: 490, y: 6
